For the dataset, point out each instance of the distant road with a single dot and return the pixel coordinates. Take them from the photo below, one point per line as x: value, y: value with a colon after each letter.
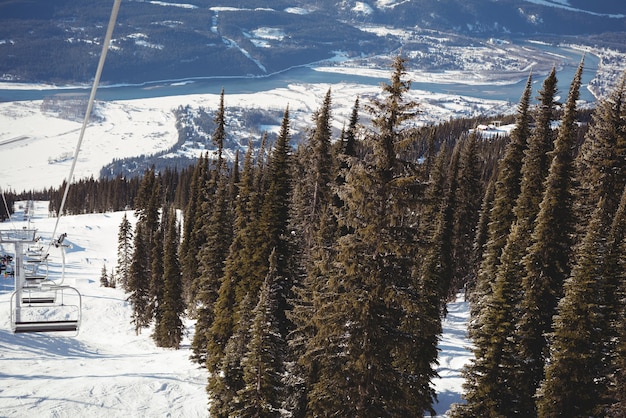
x: 13, y: 140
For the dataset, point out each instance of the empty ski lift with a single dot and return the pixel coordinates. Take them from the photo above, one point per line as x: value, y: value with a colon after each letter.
x: 40, y: 305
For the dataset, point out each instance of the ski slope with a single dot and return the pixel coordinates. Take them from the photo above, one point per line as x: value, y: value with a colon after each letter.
x: 108, y: 371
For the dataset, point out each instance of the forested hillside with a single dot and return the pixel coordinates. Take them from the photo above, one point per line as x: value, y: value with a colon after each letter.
x: 318, y: 275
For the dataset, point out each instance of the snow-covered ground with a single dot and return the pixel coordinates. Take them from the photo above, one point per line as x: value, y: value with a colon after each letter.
x: 36, y: 144
x: 107, y: 370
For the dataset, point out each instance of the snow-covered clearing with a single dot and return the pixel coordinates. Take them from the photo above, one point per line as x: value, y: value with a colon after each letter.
x: 107, y: 370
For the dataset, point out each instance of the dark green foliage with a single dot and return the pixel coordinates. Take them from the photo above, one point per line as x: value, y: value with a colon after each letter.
x: 577, y: 380
x: 548, y: 260
x: 227, y: 380
x: 576, y: 376
x: 262, y: 363
x: 168, y: 329
x: 211, y: 258
x: 616, y: 295
x: 602, y: 159
x: 375, y: 343
x: 465, y: 215
x: 507, y: 189
x: 139, y: 282
x: 124, y: 251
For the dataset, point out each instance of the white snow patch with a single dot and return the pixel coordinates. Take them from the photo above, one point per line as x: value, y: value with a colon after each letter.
x: 181, y: 5
x: 297, y: 10
x: 361, y: 7
x: 269, y: 33
x: 564, y: 4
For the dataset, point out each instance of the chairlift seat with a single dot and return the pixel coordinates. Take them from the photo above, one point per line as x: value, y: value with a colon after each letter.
x: 30, y: 300
x: 45, y: 326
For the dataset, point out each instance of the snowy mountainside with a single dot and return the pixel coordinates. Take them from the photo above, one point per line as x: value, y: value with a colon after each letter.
x: 107, y: 370
x: 164, y: 40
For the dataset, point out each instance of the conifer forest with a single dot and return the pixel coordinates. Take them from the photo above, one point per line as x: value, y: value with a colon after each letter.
x: 318, y: 273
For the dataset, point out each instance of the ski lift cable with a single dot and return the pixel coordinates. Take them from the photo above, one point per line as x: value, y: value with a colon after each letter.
x: 94, y: 88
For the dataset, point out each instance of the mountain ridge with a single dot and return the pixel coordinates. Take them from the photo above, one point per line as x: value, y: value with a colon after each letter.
x: 56, y: 42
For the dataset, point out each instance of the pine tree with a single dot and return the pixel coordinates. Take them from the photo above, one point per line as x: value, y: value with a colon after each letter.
x: 263, y: 365
x: 601, y: 161
x: 369, y: 324
x: 575, y: 377
x: 507, y: 189
x: 124, y: 251
x: 219, y: 134
x: 270, y: 232
x: 191, y: 241
x: 228, y: 379
x: 465, y: 218
x: 104, y: 279
x: 547, y: 263
x: 576, y: 381
x: 157, y: 270
x: 616, y: 306
x: 139, y: 281
x: 168, y: 330
x: 211, y: 258
x: 349, y: 136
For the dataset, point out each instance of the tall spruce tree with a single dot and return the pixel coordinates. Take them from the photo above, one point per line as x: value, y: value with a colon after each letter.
x: 489, y: 386
x: 601, y: 161
x: 369, y: 327
x: 219, y: 134
x: 192, y: 241
x: 263, y: 363
x: 124, y: 252
x: 211, y: 258
x: 616, y: 306
x: 236, y: 264
x: 139, y: 282
x: 168, y: 329
x: 507, y: 189
x: 577, y: 376
x: 272, y: 226
x: 227, y: 380
x: 547, y: 263
x: 466, y: 213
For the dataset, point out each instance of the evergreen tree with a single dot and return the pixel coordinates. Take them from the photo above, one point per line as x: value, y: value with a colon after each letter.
x: 616, y: 306
x: 465, y: 218
x: 585, y: 327
x: 104, y: 279
x: 373, y: 349
x: 191, y: 239
x: 211, y: 258
x: 168, y: 330
x: 575, y: 377
x: 228, y: 378
x: 263, y: 365
x: 349, y: 136
x: 236, y: 266
x: 547, y: 263
x: 507, y: 189
x: 157, y: 270
x: 602, y: 159
x: 139, y: 281
x: 270, y: 232
x: 124, y: 251
x: 219, y: 134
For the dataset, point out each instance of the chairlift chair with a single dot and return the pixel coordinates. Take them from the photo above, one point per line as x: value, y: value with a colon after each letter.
x: 39, y: 304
